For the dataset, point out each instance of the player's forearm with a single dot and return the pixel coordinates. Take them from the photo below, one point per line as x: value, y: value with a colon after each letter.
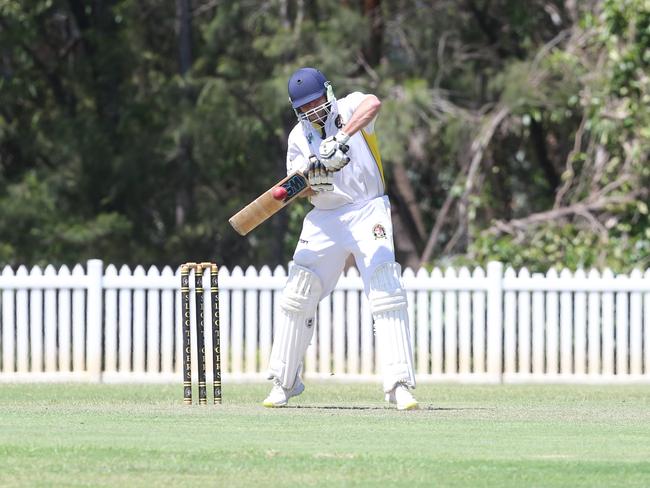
x: 363, y: 115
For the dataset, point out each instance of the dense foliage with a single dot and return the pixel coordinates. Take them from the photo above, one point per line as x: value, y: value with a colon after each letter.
x: 131, y: 130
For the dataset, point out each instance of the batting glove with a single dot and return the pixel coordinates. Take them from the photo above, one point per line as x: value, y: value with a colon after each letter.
x: 320, y: 179
x: 332, y: 151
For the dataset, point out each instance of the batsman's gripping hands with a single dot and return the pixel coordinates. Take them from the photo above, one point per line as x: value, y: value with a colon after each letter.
x: 332, y: 151
x: 320, y: 179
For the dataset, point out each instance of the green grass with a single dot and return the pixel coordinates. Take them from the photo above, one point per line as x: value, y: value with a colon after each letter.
x: 336, y: 435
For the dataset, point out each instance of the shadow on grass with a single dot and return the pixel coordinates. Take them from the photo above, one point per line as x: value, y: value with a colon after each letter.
x: 429, y: 408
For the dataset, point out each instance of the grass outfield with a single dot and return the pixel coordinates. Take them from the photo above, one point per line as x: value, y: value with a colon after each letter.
x: 335, y: 435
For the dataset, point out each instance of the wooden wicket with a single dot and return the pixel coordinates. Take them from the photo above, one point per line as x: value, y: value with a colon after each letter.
x: 199, y: 269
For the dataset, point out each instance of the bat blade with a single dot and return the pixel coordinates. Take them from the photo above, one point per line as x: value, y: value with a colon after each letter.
x: 266, y: 205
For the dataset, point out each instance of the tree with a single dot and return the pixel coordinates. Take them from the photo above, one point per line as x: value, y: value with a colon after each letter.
x: 132, y: 130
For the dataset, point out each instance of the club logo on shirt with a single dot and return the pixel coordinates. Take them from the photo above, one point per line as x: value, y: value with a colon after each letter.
x: 379, y: 231
x: 338, y: 122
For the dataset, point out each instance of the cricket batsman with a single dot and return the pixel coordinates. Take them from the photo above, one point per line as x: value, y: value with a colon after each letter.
x: 335, y: 142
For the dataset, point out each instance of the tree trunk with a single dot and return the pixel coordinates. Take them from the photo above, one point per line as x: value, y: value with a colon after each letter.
x: 372, y: 52
x: 184, y: 19
x: 184, y: 202
x: 408, y: 222
x: 405, y: 247
x: 539, y: 142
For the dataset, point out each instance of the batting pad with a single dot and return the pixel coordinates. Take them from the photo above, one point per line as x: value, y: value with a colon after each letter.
x: 389, y: 309
x: 293, y: 334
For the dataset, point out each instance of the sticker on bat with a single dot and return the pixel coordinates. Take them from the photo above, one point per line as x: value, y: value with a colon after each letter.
x: 294, y: 185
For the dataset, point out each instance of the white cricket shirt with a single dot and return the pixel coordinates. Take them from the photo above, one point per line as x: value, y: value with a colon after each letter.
x: 362, y: 178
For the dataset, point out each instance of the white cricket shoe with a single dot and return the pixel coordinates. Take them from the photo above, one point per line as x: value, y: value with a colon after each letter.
x: 279, y: 397
x: 402, y: 397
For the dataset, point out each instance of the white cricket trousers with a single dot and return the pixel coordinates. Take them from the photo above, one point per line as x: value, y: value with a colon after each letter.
x: 328, y: 237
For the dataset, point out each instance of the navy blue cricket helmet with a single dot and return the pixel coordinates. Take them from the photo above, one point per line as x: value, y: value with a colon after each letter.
x: 306, y: 85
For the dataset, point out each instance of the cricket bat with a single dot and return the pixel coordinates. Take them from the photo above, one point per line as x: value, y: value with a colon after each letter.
x: 269, y: 202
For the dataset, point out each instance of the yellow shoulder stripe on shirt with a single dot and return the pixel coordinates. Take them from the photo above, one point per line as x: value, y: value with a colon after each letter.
x: 371, y: 141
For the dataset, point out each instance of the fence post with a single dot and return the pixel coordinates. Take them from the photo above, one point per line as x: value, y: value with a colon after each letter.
x: 494, y: 319
x: 94, y: 310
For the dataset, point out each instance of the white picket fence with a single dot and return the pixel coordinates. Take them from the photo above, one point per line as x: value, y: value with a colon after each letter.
x: 99, y: 324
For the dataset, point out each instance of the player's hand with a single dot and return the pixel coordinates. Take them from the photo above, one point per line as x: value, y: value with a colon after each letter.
x: 332, y: 151
x: 333, y: 143
x: 319, y: 178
